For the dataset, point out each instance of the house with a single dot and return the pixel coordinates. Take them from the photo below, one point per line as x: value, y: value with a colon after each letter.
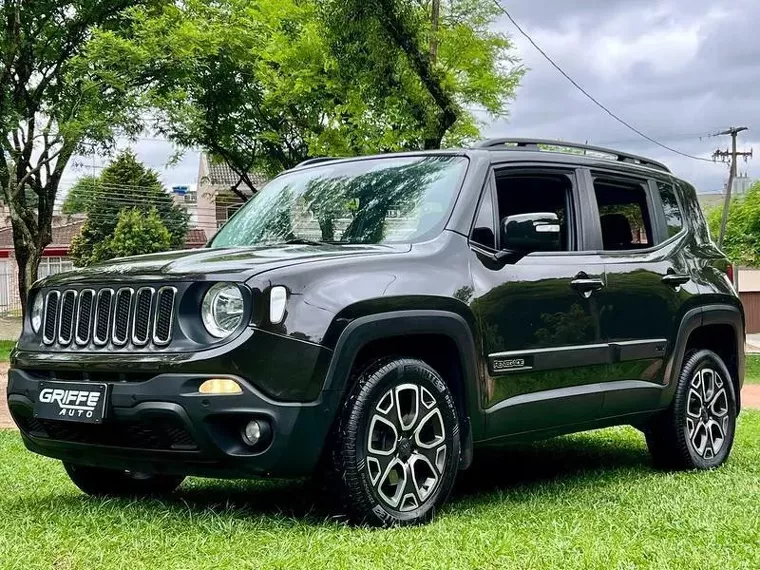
x: 214, y: 201
x: 55, y: 259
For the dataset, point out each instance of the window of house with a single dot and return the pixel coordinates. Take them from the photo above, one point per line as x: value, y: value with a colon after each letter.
x: 623, y: 214
x: 54, y: 265
x: 533, y: 193
x: 673, y: 217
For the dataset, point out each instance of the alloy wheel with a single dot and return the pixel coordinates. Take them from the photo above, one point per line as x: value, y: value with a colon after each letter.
x: 707, y: 413
x: 406, y: 449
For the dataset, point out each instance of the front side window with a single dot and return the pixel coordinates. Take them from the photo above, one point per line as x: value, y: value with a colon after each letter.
x: 531, y: 197
x: 386, y: 200
x: 623, y: 214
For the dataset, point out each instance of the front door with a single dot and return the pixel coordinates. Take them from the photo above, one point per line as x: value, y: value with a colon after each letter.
x: 538, y: 311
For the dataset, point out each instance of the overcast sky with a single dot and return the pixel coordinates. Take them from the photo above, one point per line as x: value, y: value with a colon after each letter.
x: 675, y: 69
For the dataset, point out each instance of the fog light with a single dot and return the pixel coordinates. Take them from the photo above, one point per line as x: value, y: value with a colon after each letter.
x: 220, y: 386
x: 256, y: 433
x: 252, y: 433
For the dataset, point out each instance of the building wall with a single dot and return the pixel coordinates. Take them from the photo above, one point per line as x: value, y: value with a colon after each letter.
x: 749, y: 293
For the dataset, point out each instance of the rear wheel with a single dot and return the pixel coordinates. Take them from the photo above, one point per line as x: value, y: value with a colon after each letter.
x: 110, y: 482
x: 396, y: 450
x: 697, y: 431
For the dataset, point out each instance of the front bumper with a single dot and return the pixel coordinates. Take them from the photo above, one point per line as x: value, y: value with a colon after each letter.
x: 164, y: 425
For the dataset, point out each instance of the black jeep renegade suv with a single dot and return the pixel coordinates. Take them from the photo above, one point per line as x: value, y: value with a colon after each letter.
x: 375, y: 320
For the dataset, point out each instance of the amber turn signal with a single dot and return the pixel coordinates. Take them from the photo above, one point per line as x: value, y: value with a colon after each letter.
x: 220, y: 386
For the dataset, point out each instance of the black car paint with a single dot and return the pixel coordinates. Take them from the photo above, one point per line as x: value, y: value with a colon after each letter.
x: 340, y: 298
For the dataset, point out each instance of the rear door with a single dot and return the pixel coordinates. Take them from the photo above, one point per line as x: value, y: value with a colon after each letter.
x: 649, y: 283
x: 539, y: 314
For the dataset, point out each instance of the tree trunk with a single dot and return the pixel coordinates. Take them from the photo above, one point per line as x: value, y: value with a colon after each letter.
x: 28, y: 260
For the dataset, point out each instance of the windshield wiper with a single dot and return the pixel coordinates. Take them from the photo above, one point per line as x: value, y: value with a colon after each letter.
x: 303, y: 241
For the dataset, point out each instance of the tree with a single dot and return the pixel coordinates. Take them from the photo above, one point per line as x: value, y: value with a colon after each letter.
x: 264, y: 85
x: 125, y: 184
x: 50, y: 104
x: 79, y: 195
x: 742, y: 240
x: 137, y: 233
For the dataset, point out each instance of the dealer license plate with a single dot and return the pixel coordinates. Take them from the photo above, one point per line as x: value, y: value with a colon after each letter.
x: 71, y: 402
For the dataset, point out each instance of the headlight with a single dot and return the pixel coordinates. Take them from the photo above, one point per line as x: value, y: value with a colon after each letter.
x: 222, y: 309
x: 36, y: 314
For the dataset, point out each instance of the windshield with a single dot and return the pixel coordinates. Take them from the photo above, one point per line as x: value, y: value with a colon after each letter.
x: 385, y: 200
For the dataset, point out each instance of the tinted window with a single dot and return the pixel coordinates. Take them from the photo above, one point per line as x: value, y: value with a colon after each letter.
x: 483, y: 231
x: 400, y: 199
x: 534, y: 193
x: 623, y: 214
x: 673, y: 217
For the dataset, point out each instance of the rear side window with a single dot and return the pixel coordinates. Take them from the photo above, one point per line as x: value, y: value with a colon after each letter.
x: 673, y: 216
x: 623, y: 214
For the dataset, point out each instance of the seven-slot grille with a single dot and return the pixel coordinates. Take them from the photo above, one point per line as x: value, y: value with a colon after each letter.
x: 116, y: 316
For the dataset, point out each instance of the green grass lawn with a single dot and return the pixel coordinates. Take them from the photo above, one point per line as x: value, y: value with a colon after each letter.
x: 5, y: 349
x: 752, y: 374
x: 586, y: 501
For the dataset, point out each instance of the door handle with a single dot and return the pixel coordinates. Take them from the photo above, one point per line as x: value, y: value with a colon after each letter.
x: 585, y: 285
x: 675, y: 279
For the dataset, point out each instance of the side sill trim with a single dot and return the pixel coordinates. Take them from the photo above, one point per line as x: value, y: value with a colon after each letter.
x: 574, y: 391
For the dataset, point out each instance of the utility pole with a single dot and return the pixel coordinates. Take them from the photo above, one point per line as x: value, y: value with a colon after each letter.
x: 725, y: 156
x: 435, y: 17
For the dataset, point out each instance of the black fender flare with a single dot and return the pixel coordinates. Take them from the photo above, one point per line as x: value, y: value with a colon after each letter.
x: 714, y: 314
x: 369, y: 328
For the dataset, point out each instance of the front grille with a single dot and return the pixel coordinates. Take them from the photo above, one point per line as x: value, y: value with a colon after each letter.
x: 141, y: 322
x: 51, y: 317
x: 102, y: 316
x: 162, y: 328
x: 159, y: 434
x: 121, y: 317
x: 66, y: 325
x: 115, y: 316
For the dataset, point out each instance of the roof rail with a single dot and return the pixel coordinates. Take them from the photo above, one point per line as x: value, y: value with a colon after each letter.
x: 316, y: 160
x: 536, y: 144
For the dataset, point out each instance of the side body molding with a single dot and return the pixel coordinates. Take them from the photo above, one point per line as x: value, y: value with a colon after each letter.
x: 364, y: 330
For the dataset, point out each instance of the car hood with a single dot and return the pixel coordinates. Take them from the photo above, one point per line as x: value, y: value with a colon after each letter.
x: 237, y: 263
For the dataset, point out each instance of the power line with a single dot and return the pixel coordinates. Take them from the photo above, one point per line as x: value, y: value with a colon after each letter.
x: 589, y: 95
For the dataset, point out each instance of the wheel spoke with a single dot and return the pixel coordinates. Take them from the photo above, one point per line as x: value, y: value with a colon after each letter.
x: 423, y: 476
x: 407, y: 398
x: 393, y: 482
x: 699, y: 438
x: 718, y: 406
x: 430, y: 432
x: 716, y: 435
x: 694, y: 403
x: 382, y: 439
x: 708, y: 384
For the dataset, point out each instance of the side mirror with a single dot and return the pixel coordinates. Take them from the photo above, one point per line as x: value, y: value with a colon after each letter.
x: 526, y: 233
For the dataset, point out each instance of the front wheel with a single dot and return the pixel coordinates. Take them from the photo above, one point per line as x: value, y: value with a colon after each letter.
x: 101, y: 482
x: 396, y: 451
x: 697, y: 431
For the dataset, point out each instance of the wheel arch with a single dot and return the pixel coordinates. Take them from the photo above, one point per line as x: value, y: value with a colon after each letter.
x: 717, y: 327
x: 399, y: 333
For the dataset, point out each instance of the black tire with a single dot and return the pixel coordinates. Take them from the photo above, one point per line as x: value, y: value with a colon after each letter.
x: 690, y: 435
x: 367, y: 483
x: 100, y: 482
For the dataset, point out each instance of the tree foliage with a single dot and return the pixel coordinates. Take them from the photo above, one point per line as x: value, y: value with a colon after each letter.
x: 125, y: 184
x: 742, y: 239
x: 79, y: 195
x: 50, y: 105
x: 137, y: 233
x: 264, y: 85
